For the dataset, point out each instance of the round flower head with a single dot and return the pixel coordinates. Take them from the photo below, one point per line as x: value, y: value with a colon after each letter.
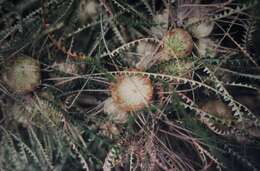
x: 177, y: 43
x: 132, y: 93
x: 23, y: 74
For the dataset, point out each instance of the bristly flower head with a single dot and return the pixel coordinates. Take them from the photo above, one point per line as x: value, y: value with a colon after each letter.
x: 177, y: 43
x: 23, y: 74
x: 132, y: 93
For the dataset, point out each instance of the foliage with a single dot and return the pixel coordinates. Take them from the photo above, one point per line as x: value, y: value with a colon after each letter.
x: 202, y: 112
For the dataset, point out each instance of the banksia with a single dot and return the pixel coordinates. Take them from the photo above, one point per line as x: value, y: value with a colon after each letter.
x: 132, y: 93
x: 177, y: 43
x: 23, y: 74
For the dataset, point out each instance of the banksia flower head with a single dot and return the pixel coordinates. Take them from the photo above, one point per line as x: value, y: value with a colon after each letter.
x: 132, y: 93
x: 177, y: 43
x: 23, y: 74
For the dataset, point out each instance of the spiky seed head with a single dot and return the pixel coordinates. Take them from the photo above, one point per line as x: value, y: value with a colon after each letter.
x: 177, y: 43
x: 132, y: 93
x: 23, y: 74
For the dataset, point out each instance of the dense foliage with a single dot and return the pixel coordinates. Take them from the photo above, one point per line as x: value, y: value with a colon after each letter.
x: 129, y: 85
